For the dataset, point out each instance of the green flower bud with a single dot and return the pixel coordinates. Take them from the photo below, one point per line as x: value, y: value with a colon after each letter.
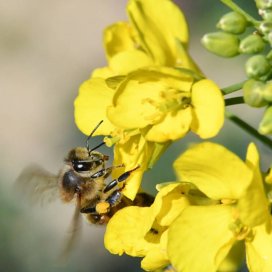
x: 221, y: 43
x: 265, y: 126
x: 265, y: 27
x: 252, y: 44
x: 269, y: 55
x: 232, y: 22
x: 258, y: 67
x: 269, y: 38
x: 267, y: 92
x: 263, y: 4
x: 266, y: 14
x: 253, y: 93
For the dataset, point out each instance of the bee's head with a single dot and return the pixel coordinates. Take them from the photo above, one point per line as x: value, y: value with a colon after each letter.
x: 82, y: 160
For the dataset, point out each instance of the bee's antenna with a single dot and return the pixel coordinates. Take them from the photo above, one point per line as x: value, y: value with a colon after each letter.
x: 87, y: 140
x: 96, y: 147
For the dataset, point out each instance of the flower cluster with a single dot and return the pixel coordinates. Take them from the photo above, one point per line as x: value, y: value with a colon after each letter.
x: 151, y: 93
x: 239, y: 33
x: 204, y: 224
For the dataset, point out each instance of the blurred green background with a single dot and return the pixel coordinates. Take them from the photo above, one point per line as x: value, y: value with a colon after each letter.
x: 47, y: 49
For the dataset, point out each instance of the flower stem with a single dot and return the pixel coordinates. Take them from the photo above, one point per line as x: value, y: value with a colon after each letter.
x: 236, y: 8
x: 233, y: 88
x: 234, y: 101
x: 249, y: 129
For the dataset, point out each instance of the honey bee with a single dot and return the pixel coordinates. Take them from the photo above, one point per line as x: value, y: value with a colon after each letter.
x: 83, y: 177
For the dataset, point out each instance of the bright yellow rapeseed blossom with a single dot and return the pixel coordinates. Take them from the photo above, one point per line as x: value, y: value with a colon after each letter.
x: 143, y: 231
x: 166, y: 104
x: 154, y: 106
x: 156, y: 34
x: 203, y: 224
x: 202, y: 237
x: 151, y: 93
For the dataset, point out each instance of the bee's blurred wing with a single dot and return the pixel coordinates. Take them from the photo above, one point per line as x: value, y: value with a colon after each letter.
x: 37, y: 185
x: 74, y: 232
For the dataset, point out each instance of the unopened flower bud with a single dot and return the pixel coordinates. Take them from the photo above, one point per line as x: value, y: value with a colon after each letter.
x: 266, y: 14
x: 269, y: 38
x: 232, y: 22
x: 267, y: 91
x: 269, y: 55
x: 265, y: 27
x: 257, y: 67
x: 253, y: 93
x: 221, y: 43
x: 265, y: 126
x: 252, y: 44
x: 263, y: 4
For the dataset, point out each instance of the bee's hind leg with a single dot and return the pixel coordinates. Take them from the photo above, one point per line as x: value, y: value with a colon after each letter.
x: 121, y: 178
x: 104, y: 206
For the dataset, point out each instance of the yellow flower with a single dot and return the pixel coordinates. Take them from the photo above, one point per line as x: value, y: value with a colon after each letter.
x: 143, y: 231
x: 133, y: 152
x: 156, y: 34
x: 166, y: 104
x: 145, y: 109
x: 131, y: 148
x: 202, y: 237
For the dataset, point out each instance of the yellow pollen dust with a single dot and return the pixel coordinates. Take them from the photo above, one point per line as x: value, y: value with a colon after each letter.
x: 102, y: 207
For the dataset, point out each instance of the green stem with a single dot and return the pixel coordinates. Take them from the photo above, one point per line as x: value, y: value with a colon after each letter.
x: 234, y: 101
x: 236, y: 8
x: 249, y: 129
x: 233, y: 88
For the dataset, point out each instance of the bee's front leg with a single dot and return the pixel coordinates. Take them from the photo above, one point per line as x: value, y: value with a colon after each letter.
x: 105, y: 172
x: 121, y: 178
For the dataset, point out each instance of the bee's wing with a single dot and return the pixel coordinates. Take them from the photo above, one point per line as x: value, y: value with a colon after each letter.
x: 74, y: 231
x: 37, y: 185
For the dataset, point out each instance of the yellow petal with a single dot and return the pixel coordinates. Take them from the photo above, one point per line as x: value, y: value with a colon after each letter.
x: 234, y: 259
x: 118, y: 38
x: 268, y: 178
x: 128, y: 61
x: 142, y: 99
x: 208, y: 108
x: 104, y: 72
x: 133, y: 104
x: 196, y: 237
x: 172, y: 204
x: 159, y: 24
x: 259, y: 250
x: 253, y: 205
x: 157, y: 206
x: 173, y: 126
x: 134, y: 152
x: 216, y: 171
x: 90, y: 107
x: 156, y: 257
x: 126, y: 231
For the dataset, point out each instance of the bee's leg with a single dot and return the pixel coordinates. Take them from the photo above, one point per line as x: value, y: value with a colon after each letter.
x: 121, y: 178
x: 114, y: 198
x: 104, y: 206
x: 105, y: 172
x: 88, y: 210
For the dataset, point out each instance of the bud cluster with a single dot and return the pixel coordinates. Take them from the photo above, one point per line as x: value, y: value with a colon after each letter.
x: 239, y: 34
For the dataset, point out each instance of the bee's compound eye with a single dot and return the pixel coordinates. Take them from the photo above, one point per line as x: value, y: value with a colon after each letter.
x: 82, y: 166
